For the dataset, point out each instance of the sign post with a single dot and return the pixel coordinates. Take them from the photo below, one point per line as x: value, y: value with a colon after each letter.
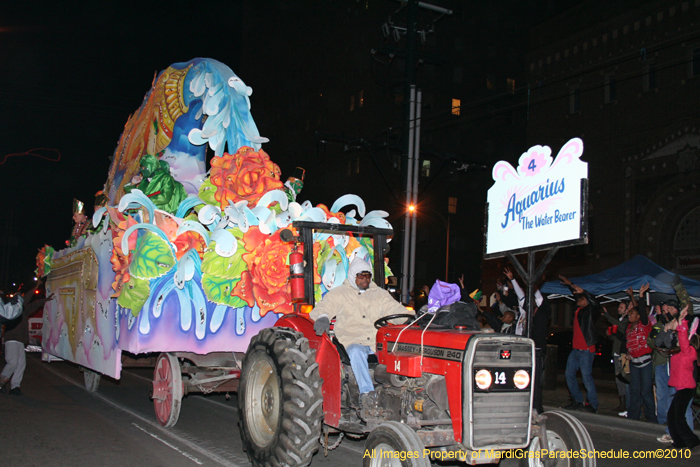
x: 540, y: 205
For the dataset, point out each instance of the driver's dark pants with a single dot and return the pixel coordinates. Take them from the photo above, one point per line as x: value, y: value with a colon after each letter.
x: 358, y: 361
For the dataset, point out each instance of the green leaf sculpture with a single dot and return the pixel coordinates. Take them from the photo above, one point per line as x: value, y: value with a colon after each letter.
x: 152, y: 257
x: 230, y: 267
x: 207, y: 190
x: 218, y: 290
x: 367, y: 243
x: 134, y: 295
x: 220, y: 275
x: 324, y: 254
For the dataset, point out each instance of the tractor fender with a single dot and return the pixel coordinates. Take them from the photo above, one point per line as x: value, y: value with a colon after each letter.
x: 329, y: 363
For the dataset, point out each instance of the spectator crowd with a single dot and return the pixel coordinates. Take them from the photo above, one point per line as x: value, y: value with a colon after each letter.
x: 654, y: 348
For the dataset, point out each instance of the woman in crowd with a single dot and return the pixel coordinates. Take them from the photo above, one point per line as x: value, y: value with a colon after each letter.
x: 641, y: 369
x: 683, y: 379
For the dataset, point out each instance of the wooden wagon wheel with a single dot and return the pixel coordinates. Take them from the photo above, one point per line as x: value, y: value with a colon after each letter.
x: 167, y: 389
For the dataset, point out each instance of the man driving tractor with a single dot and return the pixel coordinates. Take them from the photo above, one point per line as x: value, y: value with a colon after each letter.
x: 356, y: 304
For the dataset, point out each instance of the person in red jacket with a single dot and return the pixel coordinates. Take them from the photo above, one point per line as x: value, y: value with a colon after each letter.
x: 641, y: 368
x: 682, y: 378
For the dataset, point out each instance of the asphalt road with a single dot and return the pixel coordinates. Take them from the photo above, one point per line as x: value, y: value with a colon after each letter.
x: 58, y: 423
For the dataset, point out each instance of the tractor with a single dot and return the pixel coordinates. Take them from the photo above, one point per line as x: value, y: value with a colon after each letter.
x: 442, y: 392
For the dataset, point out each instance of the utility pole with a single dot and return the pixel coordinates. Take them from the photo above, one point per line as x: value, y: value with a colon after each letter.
x: 409, y: 112
x: 405, y: 260
x: 414, y: 188
x: 412, y: 145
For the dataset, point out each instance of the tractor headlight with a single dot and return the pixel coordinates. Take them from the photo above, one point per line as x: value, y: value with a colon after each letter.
x: 483, y: 379
x: 521, y: 379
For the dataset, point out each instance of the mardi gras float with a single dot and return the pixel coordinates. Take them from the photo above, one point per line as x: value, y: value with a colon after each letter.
x: 179, y: 258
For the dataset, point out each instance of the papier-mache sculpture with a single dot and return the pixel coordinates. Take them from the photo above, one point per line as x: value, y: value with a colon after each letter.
x: 182, y: 259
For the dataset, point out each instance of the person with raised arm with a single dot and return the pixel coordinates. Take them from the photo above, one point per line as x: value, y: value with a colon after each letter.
x: 583, y: 351
x: 684, y: 378
x: 16, y: 337
x: 639, y: 354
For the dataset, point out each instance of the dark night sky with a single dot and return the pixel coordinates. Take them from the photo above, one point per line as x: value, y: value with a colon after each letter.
x: 72, y: 74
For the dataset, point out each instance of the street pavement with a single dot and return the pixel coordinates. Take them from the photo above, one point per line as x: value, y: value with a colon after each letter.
x: 58, y: 423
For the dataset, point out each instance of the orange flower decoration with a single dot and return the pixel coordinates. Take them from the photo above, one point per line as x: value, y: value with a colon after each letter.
x: 40, y: 262
x: 246, y: 175
x: 267, y: 273
x: 120, y: 265
x: 121, y: 260
x: 338, y: 215
x: 187, y: 241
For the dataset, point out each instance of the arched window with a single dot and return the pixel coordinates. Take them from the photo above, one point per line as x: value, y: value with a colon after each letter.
x: 688, y: 232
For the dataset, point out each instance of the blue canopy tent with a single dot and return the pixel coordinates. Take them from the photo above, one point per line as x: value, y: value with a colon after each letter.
x: 610, y: 285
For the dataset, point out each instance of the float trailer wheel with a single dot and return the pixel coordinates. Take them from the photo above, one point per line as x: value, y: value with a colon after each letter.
x: 167, y: 389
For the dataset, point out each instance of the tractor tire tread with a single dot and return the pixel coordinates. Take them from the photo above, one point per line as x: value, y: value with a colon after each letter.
x: 300, y: 425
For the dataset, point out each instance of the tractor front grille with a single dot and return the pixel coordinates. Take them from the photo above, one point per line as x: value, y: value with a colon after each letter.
x: 498, y: 418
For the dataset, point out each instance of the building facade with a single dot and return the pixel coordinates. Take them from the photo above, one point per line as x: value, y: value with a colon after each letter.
x: 626, y: 81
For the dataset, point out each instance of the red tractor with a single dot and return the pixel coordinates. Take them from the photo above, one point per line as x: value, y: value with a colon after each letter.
x: 443, y: 392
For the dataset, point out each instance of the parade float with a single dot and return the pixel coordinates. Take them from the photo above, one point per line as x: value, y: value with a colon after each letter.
x: 182, y: 260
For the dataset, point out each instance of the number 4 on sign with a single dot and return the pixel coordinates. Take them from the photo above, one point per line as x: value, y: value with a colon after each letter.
x: 531, y: 165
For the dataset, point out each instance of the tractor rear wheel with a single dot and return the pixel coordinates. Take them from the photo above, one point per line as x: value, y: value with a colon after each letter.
x: 393, y: 444
x: 565, y: 434
x: 280, y: 399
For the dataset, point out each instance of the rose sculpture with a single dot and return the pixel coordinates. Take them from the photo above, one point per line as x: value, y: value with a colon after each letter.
x: 267, y: 272
x: 246, y: 175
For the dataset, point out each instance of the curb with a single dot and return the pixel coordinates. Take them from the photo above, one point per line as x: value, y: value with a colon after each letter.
x: 616, y: 424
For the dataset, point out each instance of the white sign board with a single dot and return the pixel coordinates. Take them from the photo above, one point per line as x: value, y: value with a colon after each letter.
x: 539, y: 203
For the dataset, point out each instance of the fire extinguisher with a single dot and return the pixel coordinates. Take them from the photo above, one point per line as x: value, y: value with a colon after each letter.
x: 296, y: 276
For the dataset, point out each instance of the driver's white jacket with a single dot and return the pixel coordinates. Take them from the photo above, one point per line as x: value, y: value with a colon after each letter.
x: 355, y: 312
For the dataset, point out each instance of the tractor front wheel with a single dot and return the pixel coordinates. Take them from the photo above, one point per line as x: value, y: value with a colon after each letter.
x: 393, y: 444
x: 565, y: 434
x: 280, y: 400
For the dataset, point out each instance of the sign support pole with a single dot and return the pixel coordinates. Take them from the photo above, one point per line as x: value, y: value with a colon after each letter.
x: 530, y: 278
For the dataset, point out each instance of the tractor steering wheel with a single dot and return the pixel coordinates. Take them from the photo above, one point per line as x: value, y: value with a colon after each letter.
x: 381, y: 322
